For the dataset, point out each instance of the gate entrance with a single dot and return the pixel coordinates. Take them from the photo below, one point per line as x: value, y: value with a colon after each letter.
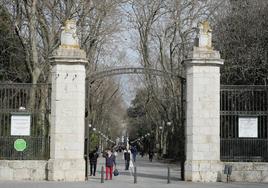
x: 69, y: 95
x: 132, y: 71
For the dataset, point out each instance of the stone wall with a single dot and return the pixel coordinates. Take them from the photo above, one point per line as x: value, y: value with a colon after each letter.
x: 23, y: 170
x: 66, y: 170
x: 247, y: 172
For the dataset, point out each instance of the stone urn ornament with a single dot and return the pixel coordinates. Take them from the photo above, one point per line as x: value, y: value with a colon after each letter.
x: 69, y: 38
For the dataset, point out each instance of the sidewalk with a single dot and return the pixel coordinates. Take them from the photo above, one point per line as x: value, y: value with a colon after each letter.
x: 156, y: 171
x: 121, y: 182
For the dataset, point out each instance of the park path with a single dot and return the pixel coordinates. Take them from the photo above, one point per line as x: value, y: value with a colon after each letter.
x: 154, y: 171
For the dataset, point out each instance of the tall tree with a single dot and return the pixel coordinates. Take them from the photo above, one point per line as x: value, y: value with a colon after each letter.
x: 37, y: 25
x: 241, y: 35
x: 12, y: 57
x: 166, y: 30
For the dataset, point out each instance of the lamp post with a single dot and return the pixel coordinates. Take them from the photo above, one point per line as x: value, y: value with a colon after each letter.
x: 87, y: 149
x: 160, y: 143
x: 101, y: 140
x: 165, y: 135
x: 87, y: 146
x: 88, y: 142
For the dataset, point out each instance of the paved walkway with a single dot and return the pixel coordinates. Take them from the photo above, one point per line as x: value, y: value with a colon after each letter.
x: 146, y: 171
x: 150, y: 175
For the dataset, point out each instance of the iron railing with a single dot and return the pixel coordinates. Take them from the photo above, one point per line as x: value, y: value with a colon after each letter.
x: 37, y: 148
x: 36, y: 101
x: 244, y: 150
x: 243, y: 101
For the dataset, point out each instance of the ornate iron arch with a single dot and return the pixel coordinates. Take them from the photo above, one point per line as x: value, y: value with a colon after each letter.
x: 131, y: 70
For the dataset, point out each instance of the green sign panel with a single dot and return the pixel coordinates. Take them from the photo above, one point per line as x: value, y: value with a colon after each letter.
x: 20, y: 145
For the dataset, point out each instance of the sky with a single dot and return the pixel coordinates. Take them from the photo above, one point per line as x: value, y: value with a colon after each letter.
x: 125, y: 54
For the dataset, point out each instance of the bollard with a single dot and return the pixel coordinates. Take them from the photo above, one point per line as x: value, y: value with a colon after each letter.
x: 86, y: 168
x: 228, y: 171
x: 182, y: 170
x: 102, y: 174
x: 168, y: 175
x: 135, y: 174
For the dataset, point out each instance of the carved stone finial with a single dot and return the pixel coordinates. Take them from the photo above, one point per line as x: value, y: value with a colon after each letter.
x: 204, y: 39
x: 69, y: 38
x: 206, y: 27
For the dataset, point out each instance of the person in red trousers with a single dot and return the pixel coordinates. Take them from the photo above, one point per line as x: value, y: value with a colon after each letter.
x: 109, y: 163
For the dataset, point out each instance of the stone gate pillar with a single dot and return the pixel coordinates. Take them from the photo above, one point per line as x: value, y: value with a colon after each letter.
x: 67, y: 109
x: 203, y: 110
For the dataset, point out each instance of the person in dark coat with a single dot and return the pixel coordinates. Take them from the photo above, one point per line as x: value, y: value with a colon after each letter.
x: 127, y: 154
x: 151, y: 155
x: 134, y: 153
x: 109, y: 163
x: 93, y: 159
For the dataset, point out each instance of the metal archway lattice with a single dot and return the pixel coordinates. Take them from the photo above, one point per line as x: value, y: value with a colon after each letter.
x: 131, y: 70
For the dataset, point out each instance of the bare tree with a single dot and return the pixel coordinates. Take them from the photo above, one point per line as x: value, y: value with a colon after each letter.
x: 166, y: 31
x: 38, y: 25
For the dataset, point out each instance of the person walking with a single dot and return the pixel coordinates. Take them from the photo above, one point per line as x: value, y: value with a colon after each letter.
x: 127, y: 154
x: 109, y: 163
x: 93, y: 158
x: 134, y: 153
x: 151, y: 155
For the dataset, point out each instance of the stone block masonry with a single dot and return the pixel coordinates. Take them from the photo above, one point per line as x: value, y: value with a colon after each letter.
x: 247, y: 172
x: 67, y: 109
x: 66, y: 170
x: 23, y: 170
x: 203, y: 111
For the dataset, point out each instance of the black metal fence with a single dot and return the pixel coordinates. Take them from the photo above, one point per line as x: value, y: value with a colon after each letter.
x: 33, y: 100
x: 247, y: 141
x: 37, y: 148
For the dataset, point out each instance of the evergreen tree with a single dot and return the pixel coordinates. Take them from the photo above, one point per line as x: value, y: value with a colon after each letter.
x: 12, y: 56
x: 242, y: 38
